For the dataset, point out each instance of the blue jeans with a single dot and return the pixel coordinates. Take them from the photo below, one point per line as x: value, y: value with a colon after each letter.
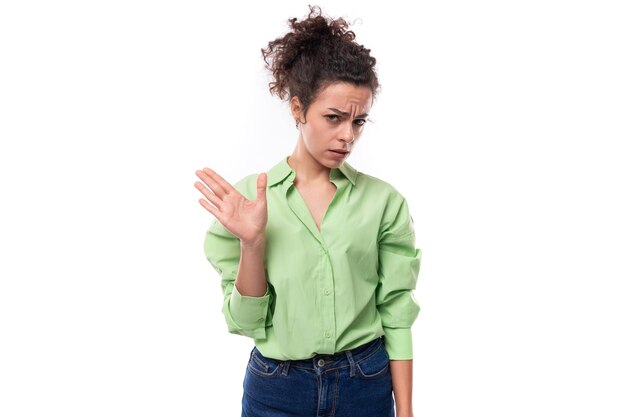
x: 353, y: 383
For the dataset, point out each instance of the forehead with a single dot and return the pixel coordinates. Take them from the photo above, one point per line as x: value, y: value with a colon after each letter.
x: 345, y: 97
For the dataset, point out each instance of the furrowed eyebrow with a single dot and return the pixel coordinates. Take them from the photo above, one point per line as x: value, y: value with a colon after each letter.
x: 345, y: 113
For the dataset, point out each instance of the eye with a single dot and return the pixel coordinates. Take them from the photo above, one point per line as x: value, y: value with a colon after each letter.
x: 330, y: 117
x: 360, y: 122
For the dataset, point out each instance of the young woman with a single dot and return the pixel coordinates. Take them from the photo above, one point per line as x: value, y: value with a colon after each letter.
x: 317, y: 259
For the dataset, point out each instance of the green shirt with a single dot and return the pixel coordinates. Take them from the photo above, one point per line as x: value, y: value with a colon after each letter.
x: 328, y: 290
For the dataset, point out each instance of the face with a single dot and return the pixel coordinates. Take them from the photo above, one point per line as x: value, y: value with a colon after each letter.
x: 334, y: 122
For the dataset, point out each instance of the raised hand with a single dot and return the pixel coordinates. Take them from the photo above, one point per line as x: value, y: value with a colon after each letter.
x: 244, y: 218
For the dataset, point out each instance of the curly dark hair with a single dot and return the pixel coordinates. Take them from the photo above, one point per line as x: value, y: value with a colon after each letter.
x: 314, y: 54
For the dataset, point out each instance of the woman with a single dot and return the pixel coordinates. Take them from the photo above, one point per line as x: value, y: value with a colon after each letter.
x: 317, y: 259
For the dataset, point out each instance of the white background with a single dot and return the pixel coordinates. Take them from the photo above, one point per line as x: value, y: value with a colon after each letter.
x: 501, y: 122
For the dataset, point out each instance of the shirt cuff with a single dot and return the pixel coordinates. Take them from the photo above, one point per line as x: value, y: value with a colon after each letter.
x: 249, y: 312
x: 399, y: 343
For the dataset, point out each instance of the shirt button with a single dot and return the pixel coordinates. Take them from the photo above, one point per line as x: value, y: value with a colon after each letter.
x: 261, y: 319
x: 327, y: 334
x: 321, y: 363
x: 327, y: 291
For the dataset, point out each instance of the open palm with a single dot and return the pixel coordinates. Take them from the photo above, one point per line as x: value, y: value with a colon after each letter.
x: 244, y: 218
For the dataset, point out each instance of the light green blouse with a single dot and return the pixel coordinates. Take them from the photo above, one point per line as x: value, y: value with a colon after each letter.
x: 328, y: 290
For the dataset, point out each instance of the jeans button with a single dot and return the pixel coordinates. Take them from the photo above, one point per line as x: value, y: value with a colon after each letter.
x: 320, y: 363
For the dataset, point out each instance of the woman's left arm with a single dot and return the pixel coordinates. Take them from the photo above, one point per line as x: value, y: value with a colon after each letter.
x: 398, y: 267
x: 402, y: 380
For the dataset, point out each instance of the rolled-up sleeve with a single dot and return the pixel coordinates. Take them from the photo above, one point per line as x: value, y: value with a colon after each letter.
x: 245, y: 315
x: 398, y: 268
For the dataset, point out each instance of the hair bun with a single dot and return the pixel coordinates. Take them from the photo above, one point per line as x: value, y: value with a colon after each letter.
x: 317, y: 49
x: 319, y: 28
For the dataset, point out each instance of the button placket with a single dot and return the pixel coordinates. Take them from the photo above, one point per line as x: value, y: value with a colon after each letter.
x: 327, y: 303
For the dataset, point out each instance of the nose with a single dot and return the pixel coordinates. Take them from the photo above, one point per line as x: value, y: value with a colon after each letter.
x: 347, y: 133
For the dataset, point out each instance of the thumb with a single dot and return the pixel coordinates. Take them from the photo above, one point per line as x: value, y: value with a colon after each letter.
x: 261, y: 185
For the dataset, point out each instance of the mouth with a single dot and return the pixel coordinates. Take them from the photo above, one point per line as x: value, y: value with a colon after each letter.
x: 340, y: 153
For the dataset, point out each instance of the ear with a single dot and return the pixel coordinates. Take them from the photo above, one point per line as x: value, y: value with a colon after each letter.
x: 296, y: 108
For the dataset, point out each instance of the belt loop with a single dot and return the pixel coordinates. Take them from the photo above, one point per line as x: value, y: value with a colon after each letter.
x: 285, y: 367
x: 351, y: 360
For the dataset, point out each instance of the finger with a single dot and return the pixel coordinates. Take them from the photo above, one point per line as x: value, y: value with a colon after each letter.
x: 207, y: 176
x: 208, y: 207
x: 225, y: 185
x: 261, y: 187
x: 216, y: 201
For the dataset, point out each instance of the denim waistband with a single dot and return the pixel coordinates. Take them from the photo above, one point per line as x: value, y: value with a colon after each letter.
x: 324, y: 362
x: 345, y: 356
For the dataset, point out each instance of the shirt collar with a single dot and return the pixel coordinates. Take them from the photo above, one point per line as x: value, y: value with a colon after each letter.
x: 282, y: 170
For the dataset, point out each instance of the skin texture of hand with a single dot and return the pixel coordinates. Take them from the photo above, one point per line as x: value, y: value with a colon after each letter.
x: 244, y: 218
x: 402, y: 380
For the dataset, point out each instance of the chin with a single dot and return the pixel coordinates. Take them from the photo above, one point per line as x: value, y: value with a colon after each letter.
x: 335, y: 163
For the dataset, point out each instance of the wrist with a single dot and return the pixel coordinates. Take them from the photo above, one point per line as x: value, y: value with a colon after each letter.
x: 255, y: 243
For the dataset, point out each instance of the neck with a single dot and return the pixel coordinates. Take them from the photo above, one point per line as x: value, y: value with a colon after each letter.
x: 308, y: 169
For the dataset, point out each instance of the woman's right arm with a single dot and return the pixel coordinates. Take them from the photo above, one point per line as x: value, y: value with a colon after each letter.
x: 235, y: 246
x: 251, y: 279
